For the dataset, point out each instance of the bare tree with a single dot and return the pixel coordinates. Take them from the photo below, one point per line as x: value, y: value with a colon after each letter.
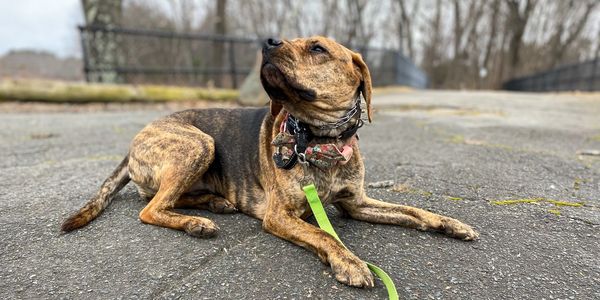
x: 492, y: 34
x: 405, y: 31
x: 356, y: 9
x: 220, y: 29
x: 597, y: 54
x: 516, y: 24
x: 432, y: 47
x: 103, y: 46
x: 183, y: 14
x: 330, y: 7
x: 506, y: 38
x: 565, y: 35
x: 465, y: 25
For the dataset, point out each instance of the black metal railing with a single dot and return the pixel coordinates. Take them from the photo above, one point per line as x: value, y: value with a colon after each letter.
x: 583, y: 76
x: 127, y: 55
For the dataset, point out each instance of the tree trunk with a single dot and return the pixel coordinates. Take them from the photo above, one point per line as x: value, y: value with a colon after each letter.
x: 492, y: 35
x: 219, y: 46
x: 559, y: 48
x: 518, y: 23
x: 457, y: 28
x: 102, y: 48
x: 405, y: 32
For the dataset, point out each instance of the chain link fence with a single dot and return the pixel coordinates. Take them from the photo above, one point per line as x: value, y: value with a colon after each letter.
x: 583, y: 76
x: 125, y: 55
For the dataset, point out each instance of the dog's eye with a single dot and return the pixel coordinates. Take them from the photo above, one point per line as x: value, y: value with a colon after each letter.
x: 318, y: 49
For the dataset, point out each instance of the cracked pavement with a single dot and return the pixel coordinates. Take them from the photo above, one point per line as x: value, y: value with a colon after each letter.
x: 451, y: 152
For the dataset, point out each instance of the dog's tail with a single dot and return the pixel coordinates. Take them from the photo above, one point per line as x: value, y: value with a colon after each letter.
x: 111, y: 186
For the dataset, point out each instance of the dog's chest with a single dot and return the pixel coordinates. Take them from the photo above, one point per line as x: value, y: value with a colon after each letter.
x: 328, y: 183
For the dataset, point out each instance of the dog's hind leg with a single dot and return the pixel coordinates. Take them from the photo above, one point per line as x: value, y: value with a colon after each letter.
x: 170, y: 156
x: 159, y: 211
x: 211, y: 202
x: 146, y: 194
x: 376, y: 211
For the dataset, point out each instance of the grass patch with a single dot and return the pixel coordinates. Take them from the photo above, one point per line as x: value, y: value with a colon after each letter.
x: 454, y: 198
x: 79, y: 92
x: 554, y: 212
x: 556, y: 203
x: 565, y: 203
x: 517, y: 201
x: 457, y: 139
x: 578, y: 182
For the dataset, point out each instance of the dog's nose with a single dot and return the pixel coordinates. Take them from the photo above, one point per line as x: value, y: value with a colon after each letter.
x: 271, y: 43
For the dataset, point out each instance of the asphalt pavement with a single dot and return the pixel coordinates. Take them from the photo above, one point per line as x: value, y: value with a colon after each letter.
x: 508, y: 164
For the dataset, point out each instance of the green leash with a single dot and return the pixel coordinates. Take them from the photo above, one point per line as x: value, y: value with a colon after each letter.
x: 319, y: 212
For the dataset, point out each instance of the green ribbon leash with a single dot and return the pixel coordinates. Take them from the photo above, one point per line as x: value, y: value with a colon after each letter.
x: 319, y: 212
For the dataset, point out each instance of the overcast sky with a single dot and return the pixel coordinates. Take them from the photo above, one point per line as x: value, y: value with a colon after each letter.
x: 41, y: 25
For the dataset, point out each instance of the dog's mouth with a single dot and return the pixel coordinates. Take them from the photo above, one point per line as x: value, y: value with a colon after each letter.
x: 280, y: 88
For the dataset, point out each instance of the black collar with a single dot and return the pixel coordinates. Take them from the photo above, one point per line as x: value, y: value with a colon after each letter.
x: 294, y: 126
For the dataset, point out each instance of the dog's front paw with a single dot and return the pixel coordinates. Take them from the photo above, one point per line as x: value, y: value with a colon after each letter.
x: 202, y: 228
x: 350, y: 270
x: 459, y: 230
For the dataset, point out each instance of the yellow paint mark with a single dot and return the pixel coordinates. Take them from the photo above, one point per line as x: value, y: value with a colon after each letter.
x: 565, y: 203
x: 517, y: 201
x: 454, y: 198
x: 537, y: 200
x: 554, y: 211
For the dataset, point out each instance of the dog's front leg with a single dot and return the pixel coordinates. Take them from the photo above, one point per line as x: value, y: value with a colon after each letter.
x: 371, y: 210
x: 283, y: 222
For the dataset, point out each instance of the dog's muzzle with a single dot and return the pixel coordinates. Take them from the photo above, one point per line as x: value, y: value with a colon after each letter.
x: 271, y: 44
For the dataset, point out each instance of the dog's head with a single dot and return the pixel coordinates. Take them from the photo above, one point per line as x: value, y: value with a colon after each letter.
x: 315, y: 79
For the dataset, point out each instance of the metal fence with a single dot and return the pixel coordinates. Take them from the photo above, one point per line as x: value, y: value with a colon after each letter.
x: 583, y: 76
x: 125, y: 55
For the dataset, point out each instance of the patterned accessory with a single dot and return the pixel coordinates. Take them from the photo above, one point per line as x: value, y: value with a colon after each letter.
x: 294, y: 142
x: 322, y: 156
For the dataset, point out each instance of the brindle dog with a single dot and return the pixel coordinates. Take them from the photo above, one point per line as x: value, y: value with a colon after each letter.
x: 223, y: 159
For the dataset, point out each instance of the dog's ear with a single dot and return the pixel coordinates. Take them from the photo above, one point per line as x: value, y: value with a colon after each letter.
x: 275, y: 108
x: 365, y: 77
